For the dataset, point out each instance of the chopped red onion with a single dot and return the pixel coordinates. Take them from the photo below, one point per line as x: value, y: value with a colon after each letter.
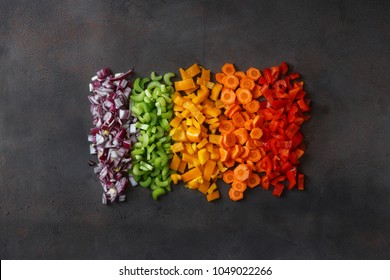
x: 110, y: 137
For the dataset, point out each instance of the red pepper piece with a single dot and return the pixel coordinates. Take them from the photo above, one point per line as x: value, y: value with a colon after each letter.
x: 291, y: 177
x: 284, y: 144
x: 265, y: 182
x: 291, y: 130
x: 278, y: 190
x: 301, y: 181
x: 284, y: 67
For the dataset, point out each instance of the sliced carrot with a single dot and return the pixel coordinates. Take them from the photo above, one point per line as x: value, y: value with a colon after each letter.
x: 228, y: 176
x: 231, y: 81
x: 241, y: 172
x: 254, y: 155
x: 239, y: 185
x: 226, y: 126
x: 253, y: 73
x: 247, y: 83
x: 232, y: 109
x: 228, y: 69
x: 228, y: 96
x: 252, y: 106
x: 241, y: 135
x: 245, y: 115
x: 245, y: 153
x: 251, y: 144
x: 223, y: 155
x: 249, y: 124
x: 228, y: 140
x: 256, y: 133
x: 238, y: 120
x: 244, y: 96
x: 235, y: 195
x: 219, y: 77
x: 235, y: 152
x: 253, y: 180
x: 229, y: 163
x: 240, y: 74
x: 251, y: 165
x: 256, y: 92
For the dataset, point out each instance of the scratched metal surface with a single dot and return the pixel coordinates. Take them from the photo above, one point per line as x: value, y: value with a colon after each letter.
x: 50, y: 199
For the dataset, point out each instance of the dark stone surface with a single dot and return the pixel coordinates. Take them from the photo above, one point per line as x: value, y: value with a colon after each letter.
x: 50, y: 198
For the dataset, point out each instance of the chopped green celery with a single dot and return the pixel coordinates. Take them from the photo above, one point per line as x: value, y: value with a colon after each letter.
x: 162, y: 140
x: 166, y: 145
x: 156, y: 93
x: 137, y: 145
x: 158, y: 192
x: 136, y: 111
x: 160, y: 182
x: 165, y: 170
x: 162, y: 101
x: 170, y: 89
x: 170, y: 106
x: 137, y: 171
x: 148, y: 93
x: 154, y: 120
x: 145, y: 140
x: 167, y: 115
x: 146, y: 165
x: 167, y: 98
x: 144, y: 81
x: 152, y: 139
x: 146, y: 183
x: 148, y: 100
x: 142, y: 126
x: 154, y: 76
x: 160, y: 132
x: 153, y: 130
x: 138, y: 157
x: 167, y: 78
x: 155, y: 172
x: 163, y: 156
x: 137, y: 85
x: 158, y: 106
x: 157, y: 163
x: 165, y: 124
x: 143, y: 106
x: 154, y: 156
x: 163, y: 88
x: 163, y: 109
x: 135, y: 152
x: 153, y: 84
x: 137, y: 178
x: 137, y: 97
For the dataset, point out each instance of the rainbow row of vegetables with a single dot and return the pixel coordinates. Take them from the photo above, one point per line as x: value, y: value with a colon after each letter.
x: 242, y: 127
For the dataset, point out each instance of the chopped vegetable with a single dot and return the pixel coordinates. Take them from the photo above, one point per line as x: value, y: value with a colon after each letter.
x: 152, y: 105
x: 110, y: 137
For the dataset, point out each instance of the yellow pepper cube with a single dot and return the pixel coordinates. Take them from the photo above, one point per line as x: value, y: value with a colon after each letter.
x: 203, y: 156
x: 212, y: 188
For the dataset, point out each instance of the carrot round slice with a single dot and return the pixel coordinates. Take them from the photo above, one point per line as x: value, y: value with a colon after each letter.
x: 228, y: 140
x: 219, y: 77
x: 239, y: 186
x: 247, y: 83
x: 235, y: 195
x: 256, y: 133
x: 226, y: 126
x: 228, y: 96
x: 253, y: 73
x: 253, y: 180
x: 238, y: 120
x: 228, y: 69
x: 253, y: 106
x: 228, y: 176
x: 231, y: 81
x: 241, y: 135
x: 254, y: 155
x: 241, y: 172
x: 244, y: 96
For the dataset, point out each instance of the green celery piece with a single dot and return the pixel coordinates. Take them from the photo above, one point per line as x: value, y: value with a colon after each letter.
x: 158, y: 192
x: 137, y: 97
x: 137, y: 85
x: 163, y: 156
x: 165, y: 124
x: 157, y: 163
x: 146, y: 165
x: 154, y: 76
x: 154, y: 118
x: 137, y: 171
x: 160, y: 183
x: 144, y: 81
x: 165, y: 171
x: 153, y: 84
x: 168, y: 115
x: 162, y: 101
x: 167, y: 78
x: 155, y: 172
x: 160, y: 132
x: 156, y: 93
x: 146, y: 183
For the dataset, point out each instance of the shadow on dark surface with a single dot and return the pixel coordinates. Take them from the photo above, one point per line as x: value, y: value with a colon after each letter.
x: 50, y: 198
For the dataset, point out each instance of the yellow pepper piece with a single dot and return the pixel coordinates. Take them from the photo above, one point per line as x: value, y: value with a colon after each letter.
x: 207, y: 84
x: 184, y: 75
x: 189, y: 149
x: 216, y: 139
x: 212, y: 112
x: 221, y: 166
x: 182, y: 167
x: 204, y: 186
x: 191, y: 174
x: 177, y: 147
x: 175, y: 178
x: 202, y: 143
x: 196, y: 113
x: 194, y: 148
x: 209, y: 169
x: 212, y: 188
x: 215, y: 154
x: 211, y: 121
x: 205, y: 74
x: 193, y: 70
x: 178, y: 108
x: 213, y: 196
x: 202, y: 95
x: 178, y: 100
x: 193, y: 184
x: 215, y: 91
x: 219, y: 104
x: 213, y: 126
x: 175, y: 162
x: 185, y: 84
x: 193, y: 134
x: 203, y: 156
x: 175, y: 122
x: 210, y: 147
x: 179, y: 136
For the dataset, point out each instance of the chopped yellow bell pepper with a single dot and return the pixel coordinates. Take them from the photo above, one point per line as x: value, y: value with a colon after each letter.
x: 193, y: 134
x: 215, y: 91
x: 209, y: 169
x: 177, y: 147
x: 193, y: 70
x: 191, y: 174
x: 213, y: 196
x: 202, y: 143
x: 216, y: 139
x: 175, y: 162
x: 186, y: 84
x: 203, y: 156
x: 212, y: 188
x: 175, y: 178
x: 205, y: 74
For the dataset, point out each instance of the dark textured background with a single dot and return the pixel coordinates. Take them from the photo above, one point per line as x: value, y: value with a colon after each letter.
x: 50, y: 198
